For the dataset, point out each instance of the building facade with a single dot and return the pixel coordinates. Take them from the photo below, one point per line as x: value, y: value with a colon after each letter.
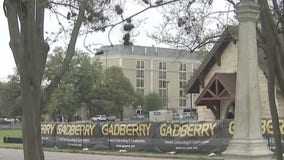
x: 152, y: 69
x: 214, y: 82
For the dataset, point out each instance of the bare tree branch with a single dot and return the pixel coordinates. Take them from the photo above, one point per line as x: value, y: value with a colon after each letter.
x: 70, y: 51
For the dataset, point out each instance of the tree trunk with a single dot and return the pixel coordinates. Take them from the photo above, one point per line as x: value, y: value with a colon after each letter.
x: 271, y: 49
x: 273, y: 107
x: 30, y: 54
x: 31, y: 120
x: 32, y: 63
x: 121, y: 112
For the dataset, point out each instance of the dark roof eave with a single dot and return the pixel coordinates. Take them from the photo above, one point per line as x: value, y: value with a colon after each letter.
x: 210, y: 59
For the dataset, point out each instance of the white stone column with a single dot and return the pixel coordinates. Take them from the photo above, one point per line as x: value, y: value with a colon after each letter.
x: 247, y: 142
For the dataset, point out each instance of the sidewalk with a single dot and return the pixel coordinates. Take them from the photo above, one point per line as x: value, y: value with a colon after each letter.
x: 150, y: 155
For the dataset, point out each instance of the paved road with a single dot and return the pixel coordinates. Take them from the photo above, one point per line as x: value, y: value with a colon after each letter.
x: 13, y: 154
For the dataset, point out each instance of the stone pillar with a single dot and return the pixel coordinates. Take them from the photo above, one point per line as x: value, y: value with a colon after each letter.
x: 247, y: 142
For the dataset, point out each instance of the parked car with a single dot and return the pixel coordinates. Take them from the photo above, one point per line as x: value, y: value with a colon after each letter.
x: 189, y: 115
x: 99, y: 118
x: 177, y: 116
x: 138, y: 117
x: 6, y: 121
x: 111, y: 117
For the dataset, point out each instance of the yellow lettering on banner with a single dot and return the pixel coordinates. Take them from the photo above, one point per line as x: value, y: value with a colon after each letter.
x: 205, y: 130
x: 266, y: 127
x: 176, y: 130
x: 122, y: 129
x: 212, y: 127
x: 269, y: 127
x: 72, y: 130
x: 135, y: 129
x: 91, y: 130
x: 184, y: 128
x: 129, y: 130
x: 59, y: 129
x: 75, y: 129
x: 116, y: 129
x: 142, y: 129
x: 105, y: 129
x: 126, y: 129
x: 197, y: 130
x: 281, y: 126
x: 163, y: 129
x: 47, y: 128
x: 231, y: 127
x: 169, y: 131
x: 263, y: 123
x: 189, y: 130
x: 148, y: 127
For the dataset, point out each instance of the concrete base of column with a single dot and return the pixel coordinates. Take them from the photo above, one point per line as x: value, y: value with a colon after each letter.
x: 248, y: 149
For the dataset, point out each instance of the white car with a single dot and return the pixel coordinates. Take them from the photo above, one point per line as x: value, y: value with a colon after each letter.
x: 111, y: 117
x: 177, y: 116
x: 99, y: 118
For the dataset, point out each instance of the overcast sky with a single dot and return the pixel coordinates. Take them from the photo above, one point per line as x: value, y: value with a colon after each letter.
x: 6, y: 57
x: 7, y: 63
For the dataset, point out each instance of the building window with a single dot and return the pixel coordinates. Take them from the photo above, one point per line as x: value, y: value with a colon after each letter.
x: 182, y: 102
x: 139, y: 73
x: 162, y: 74
x: 140, y: 91
x: 190, y: 74
x: 163, y: 93
x: 140, y: 77
x: 181, y: 93
x: 162, y: 66
x: 182, y: 67
x: 162, y: 80
x: 139, y: 82
x: 182, y: 75
x: 163, y: 83
x: 182, y: 84
x: 140, y: 64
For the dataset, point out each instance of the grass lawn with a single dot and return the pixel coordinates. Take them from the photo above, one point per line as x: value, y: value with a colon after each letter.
x: 10, y: 133
x: 18, y: 133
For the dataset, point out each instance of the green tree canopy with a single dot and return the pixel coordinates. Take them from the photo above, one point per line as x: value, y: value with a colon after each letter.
x: 10, y: 97
x: 30, y: 47
x: 118, y: 89
x: 77, y: 85
x: 153, y: 101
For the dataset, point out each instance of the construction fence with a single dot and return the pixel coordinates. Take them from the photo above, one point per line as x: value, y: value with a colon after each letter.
x: 190, y: 137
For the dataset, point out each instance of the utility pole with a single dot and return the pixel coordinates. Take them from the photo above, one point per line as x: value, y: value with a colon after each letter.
x: 167, y: 92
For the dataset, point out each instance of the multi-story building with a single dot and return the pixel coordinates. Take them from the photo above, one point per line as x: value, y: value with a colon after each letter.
x: 151, y: 69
